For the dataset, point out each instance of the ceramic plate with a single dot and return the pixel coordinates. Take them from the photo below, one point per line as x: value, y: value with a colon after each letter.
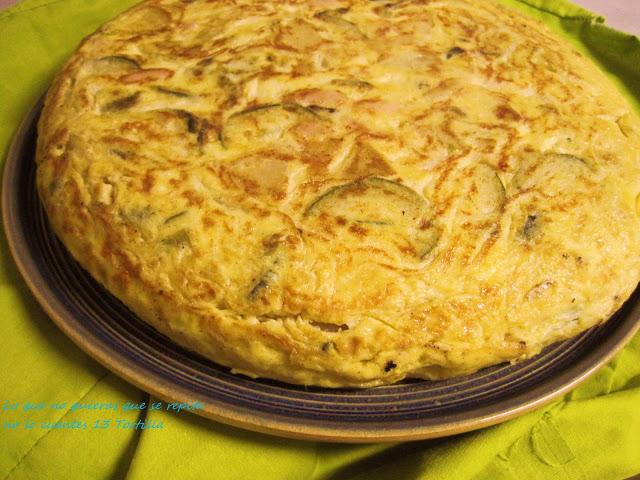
x: 108, y: 331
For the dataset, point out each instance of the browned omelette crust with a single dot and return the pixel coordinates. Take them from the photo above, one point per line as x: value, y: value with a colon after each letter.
x: 345, y: 193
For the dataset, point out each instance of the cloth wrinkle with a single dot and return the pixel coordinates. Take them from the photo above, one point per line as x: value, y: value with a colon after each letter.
x: 316, y: 463
x: 547, y: 443
x: 507, y: 453
x: 543, y: 442
x: 587, y: 16
x: 16, y: 10
x: 134, y: 447
x: 64, y: 412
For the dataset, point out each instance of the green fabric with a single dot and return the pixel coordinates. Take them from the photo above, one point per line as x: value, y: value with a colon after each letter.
x: 593, y: 432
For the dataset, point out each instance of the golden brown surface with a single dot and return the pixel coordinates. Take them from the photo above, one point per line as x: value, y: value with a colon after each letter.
x: 345, y: 193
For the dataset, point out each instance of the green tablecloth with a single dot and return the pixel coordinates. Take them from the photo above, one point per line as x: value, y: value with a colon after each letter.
x: 593, y: 432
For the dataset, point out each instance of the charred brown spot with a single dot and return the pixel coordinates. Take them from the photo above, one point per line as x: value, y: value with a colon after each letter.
x: 204, y: 291
x: 408, y: 250
x: 318, y: 155
x: 435, y: 346
x: 504, y: 112
x: 193, y: 198
x: 358, y: 230
x: 272, y: 242
x: 147, y: 182
x: 132, y: 269
x: 207, y: 223
x: 425, y: 224
x: 251, y: 187
x: 390, y: 365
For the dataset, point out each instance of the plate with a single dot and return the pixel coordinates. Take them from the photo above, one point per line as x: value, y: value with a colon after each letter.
x: 104, y: 328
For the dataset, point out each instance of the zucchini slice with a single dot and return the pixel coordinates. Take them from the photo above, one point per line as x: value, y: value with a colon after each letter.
x: 377, y: 211
x: 261, y: 123
x: 263, y: 283
x: 119, y: 104
x: 174, y: 217
x: 171, y: 92
x: 365, y: 186
x: 551, y: 174
x: 179, y: 239
x: 113, y: 65
x: 361, y: 85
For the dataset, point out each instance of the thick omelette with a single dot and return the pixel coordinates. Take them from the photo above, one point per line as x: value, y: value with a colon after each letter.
x: 345, y: 193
